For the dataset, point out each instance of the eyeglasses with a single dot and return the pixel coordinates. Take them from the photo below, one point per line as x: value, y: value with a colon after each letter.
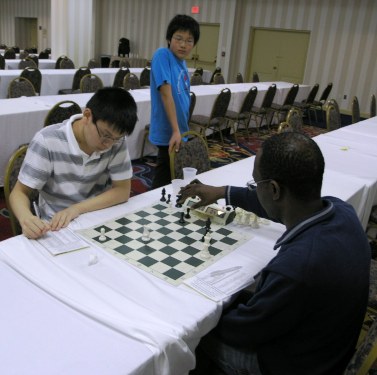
x: 179, y: 40
x: 252, y: 184
x: 106, y: 139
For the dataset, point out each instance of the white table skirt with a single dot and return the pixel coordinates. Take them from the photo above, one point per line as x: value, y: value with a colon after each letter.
x: 42, y: 64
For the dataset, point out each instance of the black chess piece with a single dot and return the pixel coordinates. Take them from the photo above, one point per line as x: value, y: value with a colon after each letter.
x: 188, y: 216
x: 163, y: 192
x: 181, y: 219
x: 168, y: 201
x: 177, y: 204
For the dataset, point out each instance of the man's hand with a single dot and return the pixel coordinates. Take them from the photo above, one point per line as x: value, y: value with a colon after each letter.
x: 62, y: 218
x: 207, y: 194
x: 33, y: 227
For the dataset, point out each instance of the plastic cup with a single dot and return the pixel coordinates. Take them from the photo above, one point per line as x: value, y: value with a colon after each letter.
x: 189, y: 174
x: 177, y: 184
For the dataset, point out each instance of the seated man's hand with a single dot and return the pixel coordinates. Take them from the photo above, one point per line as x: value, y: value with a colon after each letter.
x: 33, y: 227
x: 207, y: 194
x: 62, y: 218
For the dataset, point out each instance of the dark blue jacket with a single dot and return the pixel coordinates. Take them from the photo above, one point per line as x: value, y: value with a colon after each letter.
x: 306, y: 314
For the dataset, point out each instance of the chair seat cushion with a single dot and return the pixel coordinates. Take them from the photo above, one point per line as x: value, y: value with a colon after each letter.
x: 203, y: 120
x: 235, y: 115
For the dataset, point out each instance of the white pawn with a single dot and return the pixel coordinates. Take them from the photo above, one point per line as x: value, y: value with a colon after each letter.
x: 102, y: 237
x: 205, y: 254
x: 146, y: 235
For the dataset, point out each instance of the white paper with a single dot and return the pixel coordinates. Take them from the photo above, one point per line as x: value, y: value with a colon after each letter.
x: 222, y: 283
x: 61, y: 241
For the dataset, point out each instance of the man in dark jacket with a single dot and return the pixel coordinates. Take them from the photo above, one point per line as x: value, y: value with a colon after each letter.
x: 306, y: 313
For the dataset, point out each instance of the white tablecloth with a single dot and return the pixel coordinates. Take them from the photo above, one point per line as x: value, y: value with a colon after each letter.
x: 21, y: 118
x: 42, y: 64
x: 114, y: 303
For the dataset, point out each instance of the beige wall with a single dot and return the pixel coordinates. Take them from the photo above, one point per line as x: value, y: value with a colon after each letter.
x: 342, y: 48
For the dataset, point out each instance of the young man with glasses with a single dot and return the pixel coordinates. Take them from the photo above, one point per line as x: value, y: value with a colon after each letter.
x: 309, y: 304
x: 170, y: 93
x: 77, y: 166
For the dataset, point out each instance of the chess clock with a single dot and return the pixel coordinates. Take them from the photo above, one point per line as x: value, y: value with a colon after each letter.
x: 218, y: 214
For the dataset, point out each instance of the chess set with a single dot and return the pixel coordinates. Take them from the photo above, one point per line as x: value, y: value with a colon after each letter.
x: 171, y: 243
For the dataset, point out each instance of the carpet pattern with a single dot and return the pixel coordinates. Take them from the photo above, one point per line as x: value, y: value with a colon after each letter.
x: 144, y: 168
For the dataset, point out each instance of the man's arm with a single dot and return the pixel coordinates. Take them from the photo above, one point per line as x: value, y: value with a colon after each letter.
x: 32, y: 226
x: 169, y: 105
x: 119, y: 193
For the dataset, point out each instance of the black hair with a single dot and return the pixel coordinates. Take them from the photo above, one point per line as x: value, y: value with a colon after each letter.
x: 115, y: 106
x: 295, y: 161
x: 184, y: 23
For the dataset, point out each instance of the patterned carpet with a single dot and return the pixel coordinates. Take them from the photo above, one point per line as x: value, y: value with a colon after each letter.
x: 144, y: 169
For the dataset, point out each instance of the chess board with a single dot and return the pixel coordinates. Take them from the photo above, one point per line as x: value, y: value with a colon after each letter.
x: 173, y: 252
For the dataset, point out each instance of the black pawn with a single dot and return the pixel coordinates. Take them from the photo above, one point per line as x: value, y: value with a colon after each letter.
x: 188, y: 216
x: 163, y: 192
x: 169, y: 196
x: 181, y: 219
x: 177, y: 204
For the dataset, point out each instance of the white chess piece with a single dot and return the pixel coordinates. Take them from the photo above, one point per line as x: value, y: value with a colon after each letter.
x: 146, y: 235
x: 102, y: 237
x: 205, y: 254
x: 254, y: 222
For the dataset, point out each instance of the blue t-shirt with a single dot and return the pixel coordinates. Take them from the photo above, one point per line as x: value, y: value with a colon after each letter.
x: 167, y: 68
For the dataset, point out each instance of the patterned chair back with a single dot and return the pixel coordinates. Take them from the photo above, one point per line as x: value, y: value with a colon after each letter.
x: 20, y: 86
x: 34, y: 76
x: 90, y: 83
x: 131, y: 82
x: 61, y: 111
x: 119, y: 77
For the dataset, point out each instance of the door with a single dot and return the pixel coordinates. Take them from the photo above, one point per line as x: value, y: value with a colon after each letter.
x: 204, y: 54
x: 26, y: 32
x: 278, y: 55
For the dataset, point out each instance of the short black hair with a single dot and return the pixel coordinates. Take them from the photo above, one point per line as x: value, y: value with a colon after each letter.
x: 294, y: 160
x: 184, y: 23
x: 115, y: 106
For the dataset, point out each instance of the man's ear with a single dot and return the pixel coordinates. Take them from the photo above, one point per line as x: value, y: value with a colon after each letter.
x: 276, y: 191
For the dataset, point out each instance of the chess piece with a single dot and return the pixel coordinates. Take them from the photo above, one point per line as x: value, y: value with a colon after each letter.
x: 163, y: 192
x: 146, y: 234
x: 188, y: 216
x: 177, y: 204
x: 168, y: 201
x: 205, y: 254
x: 254, y: 223
x: 102, y: 237
x: 181, y: 219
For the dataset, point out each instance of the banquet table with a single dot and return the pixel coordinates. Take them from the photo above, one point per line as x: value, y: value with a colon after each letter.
x: 21, y: 118
x: 126, y: 318
x: 42, y: 64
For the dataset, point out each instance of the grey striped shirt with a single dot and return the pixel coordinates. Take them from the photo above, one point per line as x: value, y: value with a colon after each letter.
x: 64, y: 174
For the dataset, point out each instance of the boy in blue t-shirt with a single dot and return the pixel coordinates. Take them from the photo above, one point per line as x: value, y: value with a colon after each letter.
x: 170, y: 93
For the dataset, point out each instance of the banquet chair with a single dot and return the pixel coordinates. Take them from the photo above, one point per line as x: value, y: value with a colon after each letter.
x: 125, y: 62
x: 305, y: 105
x: 318, y: 104
x: 58, y: 61
x: 44, y: 55
x: 264, y: 110
x: 2, y: 62
x: 217, y: 117
x: 199, y: 70
x: 372, y: 105
x: 67, y: 63
x: 90, y: 83
x: 193, y: 152
x: 255, y: 77
x: 9, y: 54
x: 333, y: 120
x: 131, y: 82
x: 26, y: 63
x: 34, y: 75
x: 294, y: 119
x: 218, y: 79
x: 61, y: 111
x: 145, y: 78
x: 119, y: 76
x: 239, y: 78
x: 75, y: 89
x: 192, y: 105
x: 93, y: 63
x: 284, y: 127
x: 10, y: 178
x: 196, y: 79
x: 20, y: 86
x: 23, y: 55
x: 282, y: 109
x: 365, y: 355
x: 242, y: 117
x: 217, y: 70
x: 35, y: 58
x: 355, y: 110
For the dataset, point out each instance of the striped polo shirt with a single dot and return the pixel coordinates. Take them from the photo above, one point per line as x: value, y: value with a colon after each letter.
x: 64, y: 174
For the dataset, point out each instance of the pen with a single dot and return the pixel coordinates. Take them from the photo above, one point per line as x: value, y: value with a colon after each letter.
x: 36, y: 210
